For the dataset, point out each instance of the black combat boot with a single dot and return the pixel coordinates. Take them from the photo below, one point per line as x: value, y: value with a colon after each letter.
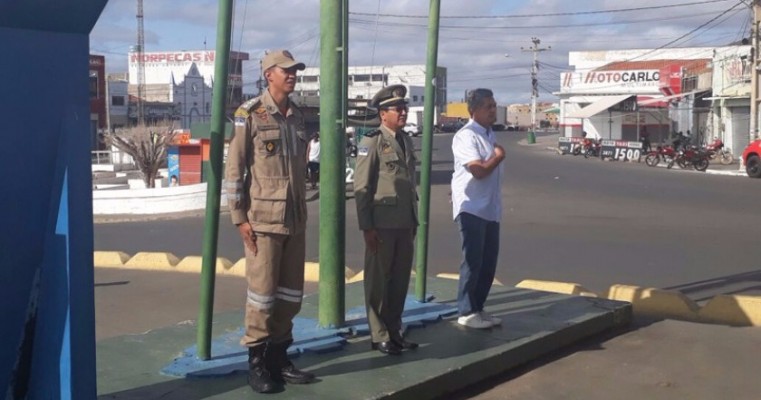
x: 282, y: 369
x: 258, y: 376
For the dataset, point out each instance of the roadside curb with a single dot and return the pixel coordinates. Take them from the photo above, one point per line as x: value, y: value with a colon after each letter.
x: 168, y: 262
x: 733, y: 310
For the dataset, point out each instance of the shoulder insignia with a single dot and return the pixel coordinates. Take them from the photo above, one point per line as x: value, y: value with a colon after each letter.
x: 245, y: 109
x: 373, y: 133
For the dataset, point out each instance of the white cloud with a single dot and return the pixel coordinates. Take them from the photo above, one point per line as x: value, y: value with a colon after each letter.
x: 472, y: 49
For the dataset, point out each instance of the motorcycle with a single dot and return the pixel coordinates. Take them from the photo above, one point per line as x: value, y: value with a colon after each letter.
x: 592, y: 147
x: 665, y: 153
x: 691, y: 156
x: 716, y: 149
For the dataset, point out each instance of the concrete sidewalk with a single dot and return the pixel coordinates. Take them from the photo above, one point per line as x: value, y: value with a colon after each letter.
x: 450, y: 357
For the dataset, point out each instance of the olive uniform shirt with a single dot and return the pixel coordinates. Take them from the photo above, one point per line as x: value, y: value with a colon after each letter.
x: 384, y: 181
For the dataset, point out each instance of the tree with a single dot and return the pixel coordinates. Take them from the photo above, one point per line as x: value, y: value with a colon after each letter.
x: 147, y: 145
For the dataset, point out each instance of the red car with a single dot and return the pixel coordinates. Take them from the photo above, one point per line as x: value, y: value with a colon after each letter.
x: 752, y: 158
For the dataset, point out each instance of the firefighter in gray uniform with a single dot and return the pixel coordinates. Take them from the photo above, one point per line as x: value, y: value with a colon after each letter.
x: 384, y: 188
x: 266, y: 190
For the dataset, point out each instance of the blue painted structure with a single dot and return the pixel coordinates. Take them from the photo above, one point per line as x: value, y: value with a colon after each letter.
x: 308, y: 336
x: 47, y: 324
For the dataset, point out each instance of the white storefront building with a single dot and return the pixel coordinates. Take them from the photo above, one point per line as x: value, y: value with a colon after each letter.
x: 619, y: 94
x: 366, y: 81
x: 730, y: 101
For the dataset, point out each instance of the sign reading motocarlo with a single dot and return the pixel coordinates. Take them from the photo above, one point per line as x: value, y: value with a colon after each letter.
x: 634, y: 81
x: 621, y: 150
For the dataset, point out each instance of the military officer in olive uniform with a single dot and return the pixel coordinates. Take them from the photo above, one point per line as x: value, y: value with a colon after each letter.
x: 266, y: 190
x: 384, y: 187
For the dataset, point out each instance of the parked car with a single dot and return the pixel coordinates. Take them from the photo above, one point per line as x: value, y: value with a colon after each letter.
x: 498, y: 127
x: 452, y: 126
x: 413, y: 129
x: 752, y: 159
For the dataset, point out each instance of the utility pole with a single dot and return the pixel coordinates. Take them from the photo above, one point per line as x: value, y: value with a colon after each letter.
x: 140, y: 66
x: 534, y: 84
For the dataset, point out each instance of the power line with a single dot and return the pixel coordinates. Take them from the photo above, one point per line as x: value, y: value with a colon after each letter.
x: 480, y: 28
x: 593, y: 12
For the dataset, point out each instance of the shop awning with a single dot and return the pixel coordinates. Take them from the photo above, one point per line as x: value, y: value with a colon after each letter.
x: 602, y: 104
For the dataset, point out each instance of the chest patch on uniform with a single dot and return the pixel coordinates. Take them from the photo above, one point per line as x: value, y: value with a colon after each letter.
x: 270, y: 147
x: 386, y: 148
x: 262, y: 114
x: 362, y: 151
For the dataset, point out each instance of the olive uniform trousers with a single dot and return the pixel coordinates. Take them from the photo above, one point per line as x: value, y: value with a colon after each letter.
x: 387, y: 275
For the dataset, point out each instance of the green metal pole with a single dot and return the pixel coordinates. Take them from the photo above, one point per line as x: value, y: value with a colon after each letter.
x: 421, y: 247
x: 217, y: 143
x: 332, y: 172
x: 344, y: 65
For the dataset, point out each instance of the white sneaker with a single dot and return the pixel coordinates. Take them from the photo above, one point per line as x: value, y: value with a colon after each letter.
x: 474, y: 321
x: 488, y: 317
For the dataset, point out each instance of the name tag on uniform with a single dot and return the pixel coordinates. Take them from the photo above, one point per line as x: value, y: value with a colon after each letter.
x: 362, y: 151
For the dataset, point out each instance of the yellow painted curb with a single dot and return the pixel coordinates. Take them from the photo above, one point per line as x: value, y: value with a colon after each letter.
x: 556, y: 287
x: 110, y: 258
x: 358, y: 277
x: 239, y: 267
x: 449, y: 275
x: 656, y: 302
x: 312, y: 272
x: 153, y: 261
x: 736, y: 310
x: 195, y: 264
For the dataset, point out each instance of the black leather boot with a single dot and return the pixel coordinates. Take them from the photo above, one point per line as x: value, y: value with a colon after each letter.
x: 258, y: 376
x: 282, y: 369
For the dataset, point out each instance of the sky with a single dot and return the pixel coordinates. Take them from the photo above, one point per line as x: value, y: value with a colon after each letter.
x: 482, y: 43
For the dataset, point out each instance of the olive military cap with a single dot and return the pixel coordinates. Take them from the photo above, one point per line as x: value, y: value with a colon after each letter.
x: 389, y: 96
x: 281, y: 58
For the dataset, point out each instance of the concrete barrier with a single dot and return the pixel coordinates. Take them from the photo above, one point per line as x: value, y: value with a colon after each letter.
x: 556, y: 287
x: 735, y: 310
x: 358, y: 277
x: 312, y: 272
x: 150, y: 201
x: 153, y: 261
x: 110, y: 258
x: 656, y: 302
x: 448, y: 275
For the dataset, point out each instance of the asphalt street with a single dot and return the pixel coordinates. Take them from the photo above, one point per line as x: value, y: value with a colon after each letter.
x: 565, y: 218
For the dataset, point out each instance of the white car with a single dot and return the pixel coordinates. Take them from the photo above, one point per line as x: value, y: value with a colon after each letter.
x: 413, y: 129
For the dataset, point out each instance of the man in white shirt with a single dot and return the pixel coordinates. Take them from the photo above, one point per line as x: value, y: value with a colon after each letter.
x: 313, y: 159
x: 477, y: 207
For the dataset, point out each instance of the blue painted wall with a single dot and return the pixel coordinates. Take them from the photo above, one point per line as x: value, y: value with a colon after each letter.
x: 47, y: 325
